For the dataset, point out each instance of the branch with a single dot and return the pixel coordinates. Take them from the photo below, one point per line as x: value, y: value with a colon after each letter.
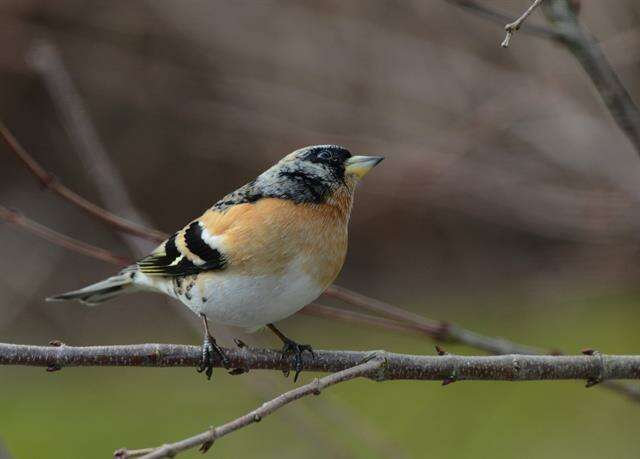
x: 438, y: 330
x: 514, y: 26
x: 60, y: 239
x: 345, y: 315
x: 502, y: 18
x: 562, y: 14
x: 48, y: 181
x: 511, y: 367
x: 206, y: 439
x: 584, y: 47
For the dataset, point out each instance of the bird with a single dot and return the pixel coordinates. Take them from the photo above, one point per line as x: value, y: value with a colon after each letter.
x: 258, y: 255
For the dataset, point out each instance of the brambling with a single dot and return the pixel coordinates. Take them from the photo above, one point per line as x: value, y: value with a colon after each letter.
x: 257, y: 256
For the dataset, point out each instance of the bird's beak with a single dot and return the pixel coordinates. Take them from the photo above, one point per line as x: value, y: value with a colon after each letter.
x: 361, y: 165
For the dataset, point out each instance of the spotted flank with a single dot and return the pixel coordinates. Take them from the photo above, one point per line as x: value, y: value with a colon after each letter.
x: 183, y: 254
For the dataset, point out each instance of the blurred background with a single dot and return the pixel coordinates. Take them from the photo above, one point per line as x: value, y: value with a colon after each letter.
x: 509, y: 203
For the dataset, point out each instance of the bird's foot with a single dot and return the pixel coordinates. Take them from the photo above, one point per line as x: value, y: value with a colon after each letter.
x: 210, y: 349
x: 295, y: 351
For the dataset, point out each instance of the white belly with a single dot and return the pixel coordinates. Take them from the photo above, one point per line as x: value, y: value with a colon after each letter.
x: 244, y: 301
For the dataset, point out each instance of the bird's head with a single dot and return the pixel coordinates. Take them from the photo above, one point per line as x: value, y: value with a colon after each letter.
x: 316, y: 173
x: 331, y: 162
x: 319, y: 174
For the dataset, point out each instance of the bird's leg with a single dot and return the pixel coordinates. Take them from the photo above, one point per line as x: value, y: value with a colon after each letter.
x: 209, y: 348
x: 293, y: 349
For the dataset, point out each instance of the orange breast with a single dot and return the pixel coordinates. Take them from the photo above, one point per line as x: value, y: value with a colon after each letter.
x: 265, y: 237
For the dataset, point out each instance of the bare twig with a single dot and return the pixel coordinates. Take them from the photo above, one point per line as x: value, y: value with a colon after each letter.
x: 511, y: 367
x: 206, y: 439
x: 562, y: 14
x: 514, y: 26
x: 60, y: 239
x: 345, y: 315
x: 48, y: 181
x: 501, y: 18
x: 585, y: 48
x: 439, y: 330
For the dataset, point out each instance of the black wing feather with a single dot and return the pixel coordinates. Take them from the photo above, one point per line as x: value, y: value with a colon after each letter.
x: 212, y: 258
x: 169, y: 261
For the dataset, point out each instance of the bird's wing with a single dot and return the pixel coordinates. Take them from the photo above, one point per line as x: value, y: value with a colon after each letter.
x: 198, y: 246
x: 191, y: 250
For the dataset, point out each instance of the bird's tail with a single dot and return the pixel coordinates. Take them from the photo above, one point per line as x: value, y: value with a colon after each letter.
x: 109, y: 288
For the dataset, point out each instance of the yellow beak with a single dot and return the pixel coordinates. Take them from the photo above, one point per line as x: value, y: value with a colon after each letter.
x: 361, y: 165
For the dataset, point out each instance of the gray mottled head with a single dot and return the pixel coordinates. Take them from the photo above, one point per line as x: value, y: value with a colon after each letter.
x: 308, y: 175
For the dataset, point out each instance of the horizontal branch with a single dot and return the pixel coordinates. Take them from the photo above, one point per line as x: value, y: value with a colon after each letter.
x: 513, y: 367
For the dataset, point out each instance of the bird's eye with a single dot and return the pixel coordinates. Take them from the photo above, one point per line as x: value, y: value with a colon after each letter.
x: 325, y: 155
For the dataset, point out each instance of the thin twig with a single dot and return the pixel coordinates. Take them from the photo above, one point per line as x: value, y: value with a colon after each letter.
x: 48, y: 181
x: 206, y: 439
x: 514, y: 26
x: 502, y: 18
x: 345, y: 315
x: 510, y: 367
x: 439, y: 330
x: 60, y: 239
x: 585, y: 48
x: 562, y: 14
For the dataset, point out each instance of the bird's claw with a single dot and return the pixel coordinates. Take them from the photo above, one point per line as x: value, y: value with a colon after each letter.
x: 295, y: 351
x: 209, y: 349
